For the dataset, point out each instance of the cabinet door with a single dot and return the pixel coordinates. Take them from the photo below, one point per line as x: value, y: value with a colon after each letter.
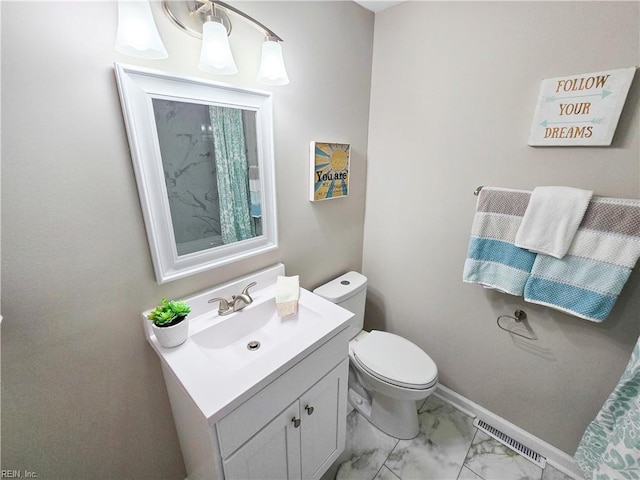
x: 323, y: 411
x: 272, y: 454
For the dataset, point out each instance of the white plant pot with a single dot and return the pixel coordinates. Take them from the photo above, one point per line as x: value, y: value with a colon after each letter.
x: 172, y: 336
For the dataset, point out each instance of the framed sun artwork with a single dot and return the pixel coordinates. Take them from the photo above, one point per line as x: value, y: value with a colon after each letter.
x: 329, y: 170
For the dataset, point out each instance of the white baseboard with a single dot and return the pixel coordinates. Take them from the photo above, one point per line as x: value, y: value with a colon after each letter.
x: 555, y: 457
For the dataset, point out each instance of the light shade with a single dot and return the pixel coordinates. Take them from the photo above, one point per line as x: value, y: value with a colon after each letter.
x: 215, y: 56
x: 137, y: 34
x: 272, y: 70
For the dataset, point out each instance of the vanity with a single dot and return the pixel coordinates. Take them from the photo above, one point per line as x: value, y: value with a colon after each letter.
x: 277, y: 411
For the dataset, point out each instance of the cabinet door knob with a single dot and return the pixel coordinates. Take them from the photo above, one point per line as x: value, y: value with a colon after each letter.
x: 309, y: 409
x: 296, y: 422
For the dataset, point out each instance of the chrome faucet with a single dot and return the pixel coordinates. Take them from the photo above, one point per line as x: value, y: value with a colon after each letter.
x: 237, y: 302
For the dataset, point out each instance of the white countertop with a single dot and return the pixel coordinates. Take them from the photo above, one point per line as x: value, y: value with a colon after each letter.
x: 215, y: 391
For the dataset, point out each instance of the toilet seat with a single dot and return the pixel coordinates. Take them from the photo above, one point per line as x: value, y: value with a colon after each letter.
x: 395, y: 360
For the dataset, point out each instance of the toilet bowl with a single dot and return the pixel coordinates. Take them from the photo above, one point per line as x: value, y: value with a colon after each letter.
x: 387, y: 373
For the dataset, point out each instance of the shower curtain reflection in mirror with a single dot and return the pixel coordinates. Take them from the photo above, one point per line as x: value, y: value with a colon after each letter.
x: 206, y: 184
x: 210, y: 163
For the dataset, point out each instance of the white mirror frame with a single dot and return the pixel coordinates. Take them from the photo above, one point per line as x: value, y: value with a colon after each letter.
x: 137, y: 87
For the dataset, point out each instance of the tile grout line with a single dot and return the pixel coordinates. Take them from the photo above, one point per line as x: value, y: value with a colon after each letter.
x: 464, y: 462
x: 384, y: 464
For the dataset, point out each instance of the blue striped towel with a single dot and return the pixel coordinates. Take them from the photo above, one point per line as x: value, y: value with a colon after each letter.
x: 254, y: 191
x: 493, y: 260
x: 587, y: 281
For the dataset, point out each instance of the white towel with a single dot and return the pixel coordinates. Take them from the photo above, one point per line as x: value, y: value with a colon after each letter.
x: 552, y: 219
x: 287, y: 294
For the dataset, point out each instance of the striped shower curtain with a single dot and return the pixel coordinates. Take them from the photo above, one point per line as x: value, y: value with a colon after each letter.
x: 610, y: 446
x: 232, y: 174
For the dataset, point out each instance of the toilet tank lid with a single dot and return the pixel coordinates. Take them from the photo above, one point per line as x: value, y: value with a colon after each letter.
x: 343, y: 287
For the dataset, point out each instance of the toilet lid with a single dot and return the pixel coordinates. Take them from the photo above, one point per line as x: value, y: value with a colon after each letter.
x: 395, y: 360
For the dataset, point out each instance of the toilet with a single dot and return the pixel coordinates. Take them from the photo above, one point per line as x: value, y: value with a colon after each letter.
x: 388, y: 374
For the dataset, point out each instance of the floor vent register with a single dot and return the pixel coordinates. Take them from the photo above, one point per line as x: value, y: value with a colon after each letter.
x: 505, y: 439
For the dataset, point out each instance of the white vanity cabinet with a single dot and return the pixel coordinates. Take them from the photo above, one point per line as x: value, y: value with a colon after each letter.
x: 292, y: 427
x: 302, y: 441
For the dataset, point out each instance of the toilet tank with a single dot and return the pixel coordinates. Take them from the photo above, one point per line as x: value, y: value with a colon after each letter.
x: 350, y: 292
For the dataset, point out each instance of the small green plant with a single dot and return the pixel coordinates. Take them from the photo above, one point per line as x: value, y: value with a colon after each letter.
x: 169, y: 313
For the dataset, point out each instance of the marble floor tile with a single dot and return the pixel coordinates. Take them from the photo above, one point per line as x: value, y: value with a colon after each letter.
x: 440, y: 448
x: 366, y: 450
x: 466, y: 474
x: 491, y: 459
x: 551, y: 473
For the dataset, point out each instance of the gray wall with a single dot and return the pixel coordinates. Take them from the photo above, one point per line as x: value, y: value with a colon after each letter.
x: 454, y: 89
x: 82, y: 392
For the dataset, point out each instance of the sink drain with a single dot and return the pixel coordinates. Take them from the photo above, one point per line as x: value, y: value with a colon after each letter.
x: 253, y: 345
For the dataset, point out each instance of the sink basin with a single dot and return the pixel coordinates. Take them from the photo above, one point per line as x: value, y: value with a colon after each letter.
x: 236, y: 326
x: 245, y: 336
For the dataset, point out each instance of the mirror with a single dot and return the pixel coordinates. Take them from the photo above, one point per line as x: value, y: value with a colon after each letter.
x: 203, y: 159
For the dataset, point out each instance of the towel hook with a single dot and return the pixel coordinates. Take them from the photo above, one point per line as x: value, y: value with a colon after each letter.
x: 519, y: 316
x: 477, y: 191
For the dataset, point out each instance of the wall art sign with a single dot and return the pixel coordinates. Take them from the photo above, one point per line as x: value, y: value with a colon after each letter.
x: 329, y: 170
x: 581, y: 109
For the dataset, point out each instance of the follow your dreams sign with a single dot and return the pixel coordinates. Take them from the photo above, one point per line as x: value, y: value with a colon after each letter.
x: 580, y: 109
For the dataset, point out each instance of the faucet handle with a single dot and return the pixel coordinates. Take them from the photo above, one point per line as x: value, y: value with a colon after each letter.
x: 245, y: 291
x: 224, y: 305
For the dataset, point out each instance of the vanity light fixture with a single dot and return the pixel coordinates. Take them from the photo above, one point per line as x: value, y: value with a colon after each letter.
x: 137, y: 35
x: 208, y: 20
x: 272, y: 70
x: 215, y: 55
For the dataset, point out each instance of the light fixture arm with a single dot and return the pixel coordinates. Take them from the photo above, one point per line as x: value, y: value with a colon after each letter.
x: 185, y: 19
x: 267, y: 31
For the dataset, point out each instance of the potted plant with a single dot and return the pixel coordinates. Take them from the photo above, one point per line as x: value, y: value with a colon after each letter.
x: 169, y: 322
